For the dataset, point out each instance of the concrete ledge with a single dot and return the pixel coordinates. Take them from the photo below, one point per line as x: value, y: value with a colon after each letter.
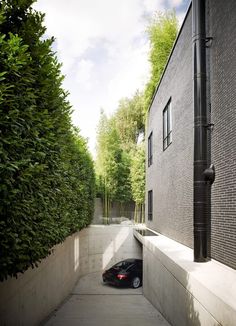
x: 206, y: 291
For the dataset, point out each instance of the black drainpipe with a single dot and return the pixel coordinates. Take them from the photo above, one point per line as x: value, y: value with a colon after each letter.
x: 203, y: 176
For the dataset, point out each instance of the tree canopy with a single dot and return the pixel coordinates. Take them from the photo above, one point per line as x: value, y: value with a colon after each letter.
x: 162, y: 32
x: 129, y: 120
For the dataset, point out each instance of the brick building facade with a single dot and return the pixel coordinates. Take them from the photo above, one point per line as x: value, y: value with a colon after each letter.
x: 170, y: 133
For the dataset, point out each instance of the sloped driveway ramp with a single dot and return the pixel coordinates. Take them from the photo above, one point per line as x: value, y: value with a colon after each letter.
x: 93, y: 303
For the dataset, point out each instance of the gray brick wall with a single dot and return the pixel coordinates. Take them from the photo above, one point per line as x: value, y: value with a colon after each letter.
x: 223, y: 104
x: 170, y: 175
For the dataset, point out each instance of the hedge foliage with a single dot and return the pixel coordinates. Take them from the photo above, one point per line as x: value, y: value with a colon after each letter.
x: 47, y: 177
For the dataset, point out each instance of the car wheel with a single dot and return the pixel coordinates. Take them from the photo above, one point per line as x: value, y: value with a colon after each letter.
x: 136, y: 282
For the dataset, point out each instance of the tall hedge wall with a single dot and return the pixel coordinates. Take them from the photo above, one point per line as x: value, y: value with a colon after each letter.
x: 46, y: 172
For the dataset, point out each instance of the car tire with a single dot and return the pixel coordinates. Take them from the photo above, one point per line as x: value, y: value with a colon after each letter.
x: 136, y: 282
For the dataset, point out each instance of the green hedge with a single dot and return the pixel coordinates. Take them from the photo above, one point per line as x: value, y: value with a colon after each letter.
x: 46, y: 172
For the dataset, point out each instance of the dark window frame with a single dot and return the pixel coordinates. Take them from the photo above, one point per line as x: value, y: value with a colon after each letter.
x: 150, y: 205
x: 167, y: 125
x: 150, y: 149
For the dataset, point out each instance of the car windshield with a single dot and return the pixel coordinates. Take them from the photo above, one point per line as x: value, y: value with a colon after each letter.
x: 123, y: 264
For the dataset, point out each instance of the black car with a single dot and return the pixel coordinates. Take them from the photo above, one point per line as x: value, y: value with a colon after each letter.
x: 128, y: 272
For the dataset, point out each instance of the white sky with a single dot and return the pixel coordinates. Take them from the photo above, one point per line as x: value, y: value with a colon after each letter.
x: 103, y: 47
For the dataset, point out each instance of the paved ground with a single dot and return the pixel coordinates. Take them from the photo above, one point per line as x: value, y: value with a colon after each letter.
x: 93, y: 303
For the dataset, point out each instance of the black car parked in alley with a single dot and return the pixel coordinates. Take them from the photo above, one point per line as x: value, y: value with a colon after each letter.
x: 128, y: 272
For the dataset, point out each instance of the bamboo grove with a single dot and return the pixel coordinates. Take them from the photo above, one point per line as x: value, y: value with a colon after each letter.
x: 120, y: 161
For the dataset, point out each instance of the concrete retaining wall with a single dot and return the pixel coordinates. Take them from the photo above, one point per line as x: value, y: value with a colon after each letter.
x: 31, y: 297
x: 187, y: 293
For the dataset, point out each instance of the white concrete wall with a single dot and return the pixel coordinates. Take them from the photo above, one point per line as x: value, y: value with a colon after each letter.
x: 103, y: 245
x: 31, y: 297
x: 187, y: 293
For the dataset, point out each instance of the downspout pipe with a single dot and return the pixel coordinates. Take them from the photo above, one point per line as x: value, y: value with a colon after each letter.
x: 200, y: 191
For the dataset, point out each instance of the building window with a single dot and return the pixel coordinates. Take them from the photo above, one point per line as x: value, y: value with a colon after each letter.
x: 167, y: 125
x: 150, y: 149
x: 150, y: 205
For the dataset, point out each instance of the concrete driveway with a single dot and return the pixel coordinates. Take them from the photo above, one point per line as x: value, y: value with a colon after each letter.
x: 93, y: 303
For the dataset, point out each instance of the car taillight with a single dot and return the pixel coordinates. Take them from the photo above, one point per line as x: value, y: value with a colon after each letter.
x: 121, y: 276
